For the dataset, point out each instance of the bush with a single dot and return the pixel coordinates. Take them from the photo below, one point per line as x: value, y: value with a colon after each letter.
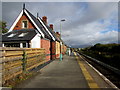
x: 107, y: 53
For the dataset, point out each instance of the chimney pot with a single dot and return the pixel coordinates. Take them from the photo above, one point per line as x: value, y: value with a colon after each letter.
x: 44, y: 18
x: 51, y: 26
x: 58, y: 34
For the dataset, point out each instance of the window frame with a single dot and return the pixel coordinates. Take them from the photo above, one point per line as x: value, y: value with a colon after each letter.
x: 22, y: 24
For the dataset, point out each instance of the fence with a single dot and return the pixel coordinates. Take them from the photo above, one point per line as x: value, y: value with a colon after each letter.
x: 15, y: 61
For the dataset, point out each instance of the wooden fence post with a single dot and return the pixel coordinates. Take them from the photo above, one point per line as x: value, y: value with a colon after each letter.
x: 4, y: 52
x: 24, y: 61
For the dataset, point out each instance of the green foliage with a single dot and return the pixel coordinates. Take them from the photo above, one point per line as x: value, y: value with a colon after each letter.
x: 3, y: 26
x: 111, y: 48
x: 107, y: 53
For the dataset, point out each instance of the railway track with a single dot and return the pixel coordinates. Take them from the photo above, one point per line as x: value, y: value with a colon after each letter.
x: 111, y: 73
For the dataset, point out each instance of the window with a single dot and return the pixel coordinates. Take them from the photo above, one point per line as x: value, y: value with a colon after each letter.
x: 24, y: 45
x: 11, y: 35
x: 22, y: 34
x: 24, y: 24
x: 12, y: 44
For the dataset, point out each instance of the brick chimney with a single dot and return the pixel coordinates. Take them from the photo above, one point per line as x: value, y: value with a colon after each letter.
x: 58, y: 34
x: 51, y: 26
x: 44, y: 18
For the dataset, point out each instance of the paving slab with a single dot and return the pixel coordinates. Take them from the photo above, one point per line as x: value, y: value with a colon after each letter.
x: 96, y: 75
x: 66, y: 74
x: 58, y: 74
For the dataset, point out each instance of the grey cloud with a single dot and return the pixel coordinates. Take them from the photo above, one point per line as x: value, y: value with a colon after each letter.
x: 110, y: 37
x: 93, y: 12
x: 0, y: 10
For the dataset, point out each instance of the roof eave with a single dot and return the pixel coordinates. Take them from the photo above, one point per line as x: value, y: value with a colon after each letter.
x: 46, y: 28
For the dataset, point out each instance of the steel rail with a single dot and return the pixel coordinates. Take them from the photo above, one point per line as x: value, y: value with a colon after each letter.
x: 113, y: 69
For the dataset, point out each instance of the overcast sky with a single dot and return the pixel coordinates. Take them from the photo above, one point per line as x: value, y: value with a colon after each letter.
x: 87, y: 23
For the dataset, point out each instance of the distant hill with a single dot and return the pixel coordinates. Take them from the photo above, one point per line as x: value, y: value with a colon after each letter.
x: 80, y: 46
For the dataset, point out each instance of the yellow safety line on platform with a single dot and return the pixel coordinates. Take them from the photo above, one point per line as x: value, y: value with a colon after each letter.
x: 87, y: 75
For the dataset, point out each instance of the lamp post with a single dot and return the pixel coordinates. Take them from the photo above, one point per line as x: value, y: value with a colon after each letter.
x: 61, y: 38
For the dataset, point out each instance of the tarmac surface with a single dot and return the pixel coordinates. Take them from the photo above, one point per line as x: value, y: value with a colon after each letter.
x: 68, y: 73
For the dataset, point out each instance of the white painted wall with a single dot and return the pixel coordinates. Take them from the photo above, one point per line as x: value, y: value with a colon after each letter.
x: 36, y: 42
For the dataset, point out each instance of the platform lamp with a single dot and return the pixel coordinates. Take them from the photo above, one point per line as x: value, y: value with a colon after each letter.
x: 61, y: 38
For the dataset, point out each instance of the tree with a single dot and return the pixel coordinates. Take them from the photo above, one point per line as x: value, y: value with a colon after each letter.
x: 3, y: 26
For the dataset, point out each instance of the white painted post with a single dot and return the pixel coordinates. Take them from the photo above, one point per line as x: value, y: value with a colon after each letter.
x: 3, y: 45
x: 69, y: 52
x: 26, y: 45
x: 21, y: 45
x: 30, y: 45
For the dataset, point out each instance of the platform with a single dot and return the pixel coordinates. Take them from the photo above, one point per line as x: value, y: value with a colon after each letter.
x: 71, y: 72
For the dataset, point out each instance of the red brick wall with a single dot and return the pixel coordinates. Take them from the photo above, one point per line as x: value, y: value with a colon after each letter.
x: 19, y: 23
x: 53, y: 50
x: 46, y: 45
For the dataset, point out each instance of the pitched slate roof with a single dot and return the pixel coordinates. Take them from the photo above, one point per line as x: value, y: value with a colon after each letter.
x: 29, y: 35
x: 53, y: 33
x: 50, y: 30
x: 39, y: 25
